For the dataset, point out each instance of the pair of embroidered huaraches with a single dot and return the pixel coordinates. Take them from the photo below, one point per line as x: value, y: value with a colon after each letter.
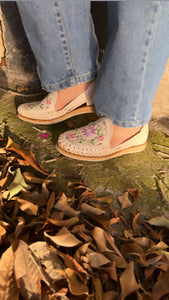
x: 89, y: 143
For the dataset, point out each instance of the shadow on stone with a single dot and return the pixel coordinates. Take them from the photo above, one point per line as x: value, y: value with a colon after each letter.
x: 21, y: 66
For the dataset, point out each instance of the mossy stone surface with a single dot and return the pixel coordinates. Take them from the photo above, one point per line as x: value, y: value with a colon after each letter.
x: 144, y: 170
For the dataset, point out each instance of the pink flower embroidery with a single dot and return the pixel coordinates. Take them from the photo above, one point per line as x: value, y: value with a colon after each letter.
x: 72, y: 136
x: 29, y: 104
x: 89, y: 131
x: 48, y: 102
x: 100, y: 137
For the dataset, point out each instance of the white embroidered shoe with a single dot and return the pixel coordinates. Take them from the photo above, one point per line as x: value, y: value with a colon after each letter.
x: 44, y: 112
x: 92, y: 142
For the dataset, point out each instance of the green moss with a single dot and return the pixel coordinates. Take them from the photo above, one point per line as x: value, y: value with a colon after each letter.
x: 139, y: 170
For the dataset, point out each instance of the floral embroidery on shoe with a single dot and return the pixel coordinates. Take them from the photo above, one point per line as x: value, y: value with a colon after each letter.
x: 72, y: 136
x: 41, y: 106
x: 91, y: 134
x: 30, y: 105
x: 48, y: 102
x: 101, y: 138
x: 89, y: 131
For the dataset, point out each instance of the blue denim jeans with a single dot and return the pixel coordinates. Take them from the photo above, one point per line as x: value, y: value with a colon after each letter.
x: 63, y: 40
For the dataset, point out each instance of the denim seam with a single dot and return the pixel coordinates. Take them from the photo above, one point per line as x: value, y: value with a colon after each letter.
x: 70, y: 78
x: 67, y: 54
x: 146, y: 57
x: 126, y: 124
x: 59, y: 85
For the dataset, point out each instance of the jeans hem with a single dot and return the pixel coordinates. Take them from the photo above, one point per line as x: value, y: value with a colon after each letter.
x: 69, y: 82
x: 126, y: 124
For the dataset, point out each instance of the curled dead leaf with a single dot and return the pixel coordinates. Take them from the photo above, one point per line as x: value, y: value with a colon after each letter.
x: 64, y: 238
x: 2, y: 234
x: 48, y: 259
x: 124, y: 200
x: 76, y: 287
x: 62, y: 205
x: 27, y: 273
x: 92, y: 210
x: 26, y: 154
x: 97, y: 260
x: 128, y: 281
x: 99, y: 237
x: 64, y: 223
x: 98, y: 288
x: 8, y: 286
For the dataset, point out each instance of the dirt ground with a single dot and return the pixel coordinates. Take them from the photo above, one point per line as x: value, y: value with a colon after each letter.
x: 160, y: 117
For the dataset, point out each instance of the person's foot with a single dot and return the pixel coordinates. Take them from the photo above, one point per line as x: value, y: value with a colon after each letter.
x: 65, y: 96
x: 100, y: 140
x: 121, y: 134
x: 59, y: 106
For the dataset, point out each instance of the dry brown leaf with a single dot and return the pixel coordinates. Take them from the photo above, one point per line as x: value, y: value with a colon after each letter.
x: 61, y: 293
x: 135, y: 250
x: 78, y: 186
x: 157, y: 247
x: 27, y: 206
x: 144, y: 242
x: 40, y: 198
x: 8, y: 286
x: 64, y: 223
x: 76, y: 287
x: 99, y: 237
x: 134, y: 222
x: 114, y: 220
x: 154, y: 235
x: 111, y: 270
x: 110, y: 295
x: 48, y: 259
x: 157, y: 260
x: 159, y: 221
x: 97, y: 260
x: 64, y: 238
x: 128, y: 281
x: 100, y: 220
x: 50, y: 204
x: 134, y: 193
x: 71, y: 263
x: 20, y: 226
x: 2, y: 150
x: 81, y: 251
x: 161, y: 287
x: 23, y: 162
x: 106, y: 199
x: 87, y: 196
x: 124, y: 200
x: 111, y: 241
x: 2, y: 234
x: 30, y: 177
x: 27, y: 273
x: 4, y: 224
x: 3, y: 181
x: 85, y: 237
x: 98, y: 288
x: 26, y: 154
x: 62, y: 205
x: 149, y: 272
x: 120, y: 261
x: 92, y: 210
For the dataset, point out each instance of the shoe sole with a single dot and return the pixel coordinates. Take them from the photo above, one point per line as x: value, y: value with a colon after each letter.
x: 133, y: 149
x: 76, y: 112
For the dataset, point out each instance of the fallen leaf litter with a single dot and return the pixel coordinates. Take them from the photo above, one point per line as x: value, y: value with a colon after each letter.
x: 57, y: 247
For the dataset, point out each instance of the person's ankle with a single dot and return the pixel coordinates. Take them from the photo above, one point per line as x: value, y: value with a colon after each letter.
x: 67, y: 95
x: 122, y: 134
